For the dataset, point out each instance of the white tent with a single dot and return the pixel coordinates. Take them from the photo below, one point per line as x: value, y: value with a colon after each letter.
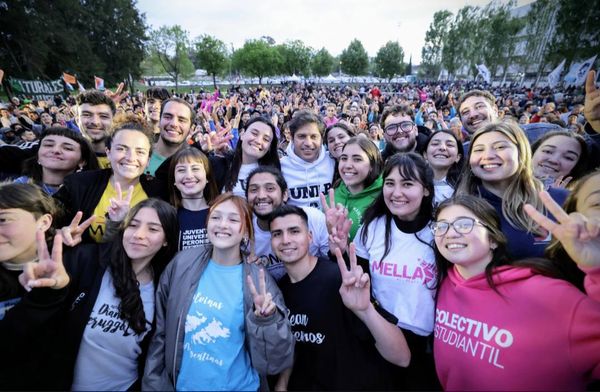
x: 293, y: 78
x: 330, y: 78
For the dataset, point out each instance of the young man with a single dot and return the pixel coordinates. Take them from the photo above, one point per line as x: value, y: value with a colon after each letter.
x: 476, y: 109
x: 342, y: 342
x: 266, y: 190
x: 94, y: 118
x: 153, y: 99
x: 400, y: 132
x: 307, y: 168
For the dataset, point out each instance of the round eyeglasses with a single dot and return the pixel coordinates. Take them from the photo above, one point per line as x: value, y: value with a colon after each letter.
x: 462, y: 225
x: 403, y: 127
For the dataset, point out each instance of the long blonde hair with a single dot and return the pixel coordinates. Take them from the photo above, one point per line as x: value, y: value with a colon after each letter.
x: 523, y: 187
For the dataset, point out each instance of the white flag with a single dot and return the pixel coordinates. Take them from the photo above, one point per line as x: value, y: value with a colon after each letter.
x: 554, y: 76
x: 485, y: 72
x: 583, y: 70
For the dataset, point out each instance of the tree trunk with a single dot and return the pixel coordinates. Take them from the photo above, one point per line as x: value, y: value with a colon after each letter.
x: 214, y: 81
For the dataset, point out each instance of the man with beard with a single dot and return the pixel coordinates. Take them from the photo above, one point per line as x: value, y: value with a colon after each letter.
x: 266, y: 190
x: 176, y: 119
x: 153, y: 99
x: 94, y: 117
x: 400, y: 132
x: 476, y: 109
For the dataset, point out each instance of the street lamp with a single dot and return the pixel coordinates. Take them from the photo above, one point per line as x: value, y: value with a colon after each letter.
x: 340, y: 68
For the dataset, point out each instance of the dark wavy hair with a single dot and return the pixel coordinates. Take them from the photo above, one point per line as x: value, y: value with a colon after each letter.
x: 453, y: 174
x: 126, y: 285
x: 411, y: 166
x: 191, y: 154
x: 271, y: 158
x: 34, y: 170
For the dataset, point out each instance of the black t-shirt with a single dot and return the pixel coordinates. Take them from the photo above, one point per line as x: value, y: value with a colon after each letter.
x: 334, y: 349
x: 192, y: 228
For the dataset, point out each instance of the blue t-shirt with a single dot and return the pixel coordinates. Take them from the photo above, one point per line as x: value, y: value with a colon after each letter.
x: 192, y: 228
x: 214, y: 354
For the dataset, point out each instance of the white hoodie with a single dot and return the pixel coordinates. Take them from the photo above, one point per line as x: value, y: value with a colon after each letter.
x: 305, y: 180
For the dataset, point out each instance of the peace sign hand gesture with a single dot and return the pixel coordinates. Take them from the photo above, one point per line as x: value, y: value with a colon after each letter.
x: 356, y: 285
x: 338, y: 224
x: 48, y: 271
x: 71, y: 235
x: 579, y: 235
x: 119, y: 206
x: 591, y: 109
x: 263, y: 301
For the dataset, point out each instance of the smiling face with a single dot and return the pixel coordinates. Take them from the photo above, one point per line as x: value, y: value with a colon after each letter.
x: 354, y: 167
x: 59, y: 153
x: 556, y: 157
x: 175, y: 123
x: 224, y: 226
x: 152, y: 109
x: 403, y: 196
x: 336, y: 140
x: 290, y: 238
x: 402, y: 141
x: 144, y: 236
x: 94, y: 121
x: 307, y: 142
x: 442, y: 151
x: 471, y: 252
x: 190, y: 178
x: 256, y: 141
x: 17, y: 234
x: 588, y: 198
x: 129, y: 154
x: 264, y: 194
x: 494, y: 158
x: 475, y: 112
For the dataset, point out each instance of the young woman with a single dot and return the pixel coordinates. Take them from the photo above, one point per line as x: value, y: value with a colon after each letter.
x: 194, y: 190
x: 393, y: 244
x: 61, y: 152
x: 221, y: 322
x: 445, y: 154
x: 336, y: 137
x: 495, y: 315
x: 559, y: 157
x: 359, y: 168
x: 500, y: 171
x: 94, y: 192
x: 108, y: 306
x: 257, y: 146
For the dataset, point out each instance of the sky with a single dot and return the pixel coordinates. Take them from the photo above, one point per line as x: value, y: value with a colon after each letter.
x: 332, y: 24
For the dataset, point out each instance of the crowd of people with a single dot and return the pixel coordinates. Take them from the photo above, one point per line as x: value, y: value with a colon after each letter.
x: 302, y: 237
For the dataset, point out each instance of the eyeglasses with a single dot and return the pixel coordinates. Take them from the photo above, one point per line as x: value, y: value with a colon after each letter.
x: 403, y: 127
x: 463, y: 225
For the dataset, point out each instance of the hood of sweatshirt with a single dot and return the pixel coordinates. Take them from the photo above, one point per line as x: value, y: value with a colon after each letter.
x: 503, y: 275
x: 372, y: 191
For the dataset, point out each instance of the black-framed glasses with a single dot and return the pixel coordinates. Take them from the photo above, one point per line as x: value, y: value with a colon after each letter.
x: 462, y: 225
x: 404, y: 127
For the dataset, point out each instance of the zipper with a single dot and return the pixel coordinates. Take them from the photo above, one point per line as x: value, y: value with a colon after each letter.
x: 173, y: 375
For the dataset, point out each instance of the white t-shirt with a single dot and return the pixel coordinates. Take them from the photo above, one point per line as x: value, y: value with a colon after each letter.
x: 442, y: 191
x: 240, y: 185
x: 109, y: 351
x: 318, y: 247
x: 401, y: 281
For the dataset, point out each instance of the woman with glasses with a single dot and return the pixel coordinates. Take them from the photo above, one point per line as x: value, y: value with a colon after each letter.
x: 506, y: 324
x: 500, y: 171
x: 393, y: 244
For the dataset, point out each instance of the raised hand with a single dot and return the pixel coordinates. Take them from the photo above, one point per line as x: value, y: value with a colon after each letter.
x: 338, y: 224
x: 356, y: 287
x: 71, y: 235
x: 118, y: 95
x: 263, y: 301
x: 119, y: 206
x: 579, y: 235
x: 591, y: 109
x: 48, y: 271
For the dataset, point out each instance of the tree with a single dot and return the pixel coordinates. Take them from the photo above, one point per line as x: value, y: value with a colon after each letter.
x: 435, y: 38
x: 211, y: 55
x: 322, y: 63
x: 462, y: 45
x: 354, y: 58
x: 171, y: 45
x: 257, y: 58
x: 295, y: 58
x: 388, y: 61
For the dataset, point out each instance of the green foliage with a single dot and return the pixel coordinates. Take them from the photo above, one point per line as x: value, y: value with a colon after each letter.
x: 354, y: 58
x: 577, y: 33
x: 435, y: 37
x: 211, y: 55
x: 388, y: 61
x: 322, y: 63
x: 170, y: 46
x: 257, y: 58
x: 462, y: 46
x: 44, y: 38
x: 295, y: 58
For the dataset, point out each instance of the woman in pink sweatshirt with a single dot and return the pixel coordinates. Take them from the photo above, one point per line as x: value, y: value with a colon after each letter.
x: 502, y: 324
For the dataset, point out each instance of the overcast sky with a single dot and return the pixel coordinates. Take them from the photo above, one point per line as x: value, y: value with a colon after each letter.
x: 318, y: 23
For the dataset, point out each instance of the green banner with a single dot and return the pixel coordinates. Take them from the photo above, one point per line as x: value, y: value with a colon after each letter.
x: 35, y: 89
